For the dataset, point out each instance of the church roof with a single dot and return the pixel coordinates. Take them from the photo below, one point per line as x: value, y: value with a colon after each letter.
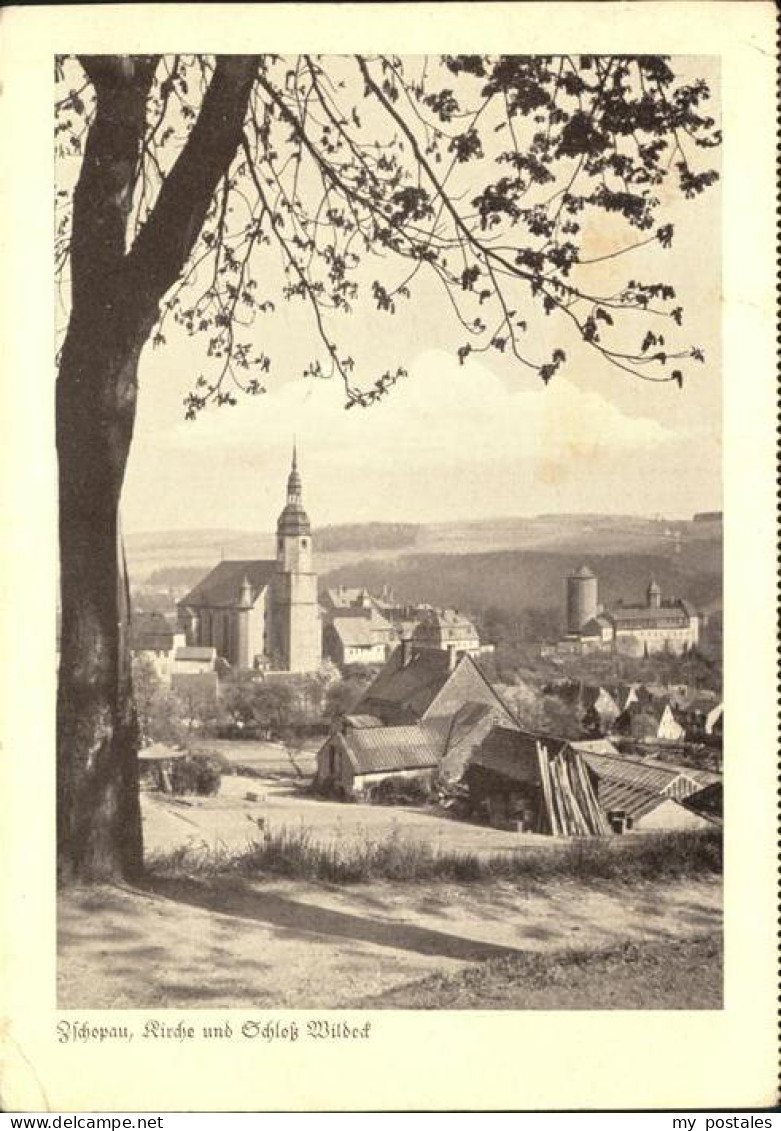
x: 583, y: 571
x: 221, y: 588
x: 293, y: 520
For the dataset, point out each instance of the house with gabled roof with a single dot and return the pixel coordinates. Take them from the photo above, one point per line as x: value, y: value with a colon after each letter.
x: 427, y: 684
x: 358, y: 636
x: 427, y: 702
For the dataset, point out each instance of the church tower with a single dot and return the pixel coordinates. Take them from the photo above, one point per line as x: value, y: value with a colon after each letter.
x: 296, y: 614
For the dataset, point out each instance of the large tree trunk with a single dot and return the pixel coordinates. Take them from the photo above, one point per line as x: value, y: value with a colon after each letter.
x: 116, y: 292
x: 99, y: 820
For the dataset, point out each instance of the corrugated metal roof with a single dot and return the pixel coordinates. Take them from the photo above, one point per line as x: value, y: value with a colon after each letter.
x: 630, y: 799
x: 656, y: 778
x: 378, y: 749
x: 221, y: 588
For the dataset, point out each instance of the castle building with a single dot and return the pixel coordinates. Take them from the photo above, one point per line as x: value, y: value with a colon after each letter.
x: 635, y: 630
x: 262, y: 614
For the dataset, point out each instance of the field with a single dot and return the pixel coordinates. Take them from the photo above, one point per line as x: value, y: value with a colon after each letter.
x: 214, y: 925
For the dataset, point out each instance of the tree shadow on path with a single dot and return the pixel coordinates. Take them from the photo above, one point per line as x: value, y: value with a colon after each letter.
x: 320, y: 924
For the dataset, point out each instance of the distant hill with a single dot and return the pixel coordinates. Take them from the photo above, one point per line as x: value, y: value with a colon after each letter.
x: 504, y: 562
x: 366, y: 536
x: 520, y: 580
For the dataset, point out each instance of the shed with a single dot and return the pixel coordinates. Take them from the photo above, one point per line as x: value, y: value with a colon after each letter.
x: 350, y: 764
x: 534, y: 783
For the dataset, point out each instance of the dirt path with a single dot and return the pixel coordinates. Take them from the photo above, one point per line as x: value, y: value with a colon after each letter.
x: 188, y: 943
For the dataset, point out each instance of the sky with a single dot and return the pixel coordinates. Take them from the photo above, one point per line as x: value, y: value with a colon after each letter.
x: 449, y: 441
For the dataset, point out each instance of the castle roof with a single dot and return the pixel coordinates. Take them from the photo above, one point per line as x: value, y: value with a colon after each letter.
x: 222, y: 587
x: 644, y: 616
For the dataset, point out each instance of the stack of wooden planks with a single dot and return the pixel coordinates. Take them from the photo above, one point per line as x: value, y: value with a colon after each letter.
x: 571, y: 806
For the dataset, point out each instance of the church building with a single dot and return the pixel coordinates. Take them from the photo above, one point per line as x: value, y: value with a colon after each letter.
x: 262, y: 614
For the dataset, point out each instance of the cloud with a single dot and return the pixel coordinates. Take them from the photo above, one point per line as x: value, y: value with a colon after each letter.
x: 434, y: 418
x: 448, y: 442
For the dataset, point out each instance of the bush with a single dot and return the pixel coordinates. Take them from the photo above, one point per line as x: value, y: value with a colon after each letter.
x: 400, y: 791
x: 197, y: 773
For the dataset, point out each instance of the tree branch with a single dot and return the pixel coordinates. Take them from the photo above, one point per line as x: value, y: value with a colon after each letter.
x: 169, y: 235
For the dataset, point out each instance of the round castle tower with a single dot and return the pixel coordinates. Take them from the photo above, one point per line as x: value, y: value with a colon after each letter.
x: 581, y: 599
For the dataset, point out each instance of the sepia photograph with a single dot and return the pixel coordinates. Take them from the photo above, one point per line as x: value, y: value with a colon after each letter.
x: 388, y: 421
x: 389, y: 708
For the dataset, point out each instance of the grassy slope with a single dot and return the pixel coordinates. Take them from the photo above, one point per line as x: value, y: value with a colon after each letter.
x: 681, y: 974
x: 297, y: 853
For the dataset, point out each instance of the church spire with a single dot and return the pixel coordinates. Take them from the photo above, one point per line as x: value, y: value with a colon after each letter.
x: 294, y: 481
x: 293, y: 520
